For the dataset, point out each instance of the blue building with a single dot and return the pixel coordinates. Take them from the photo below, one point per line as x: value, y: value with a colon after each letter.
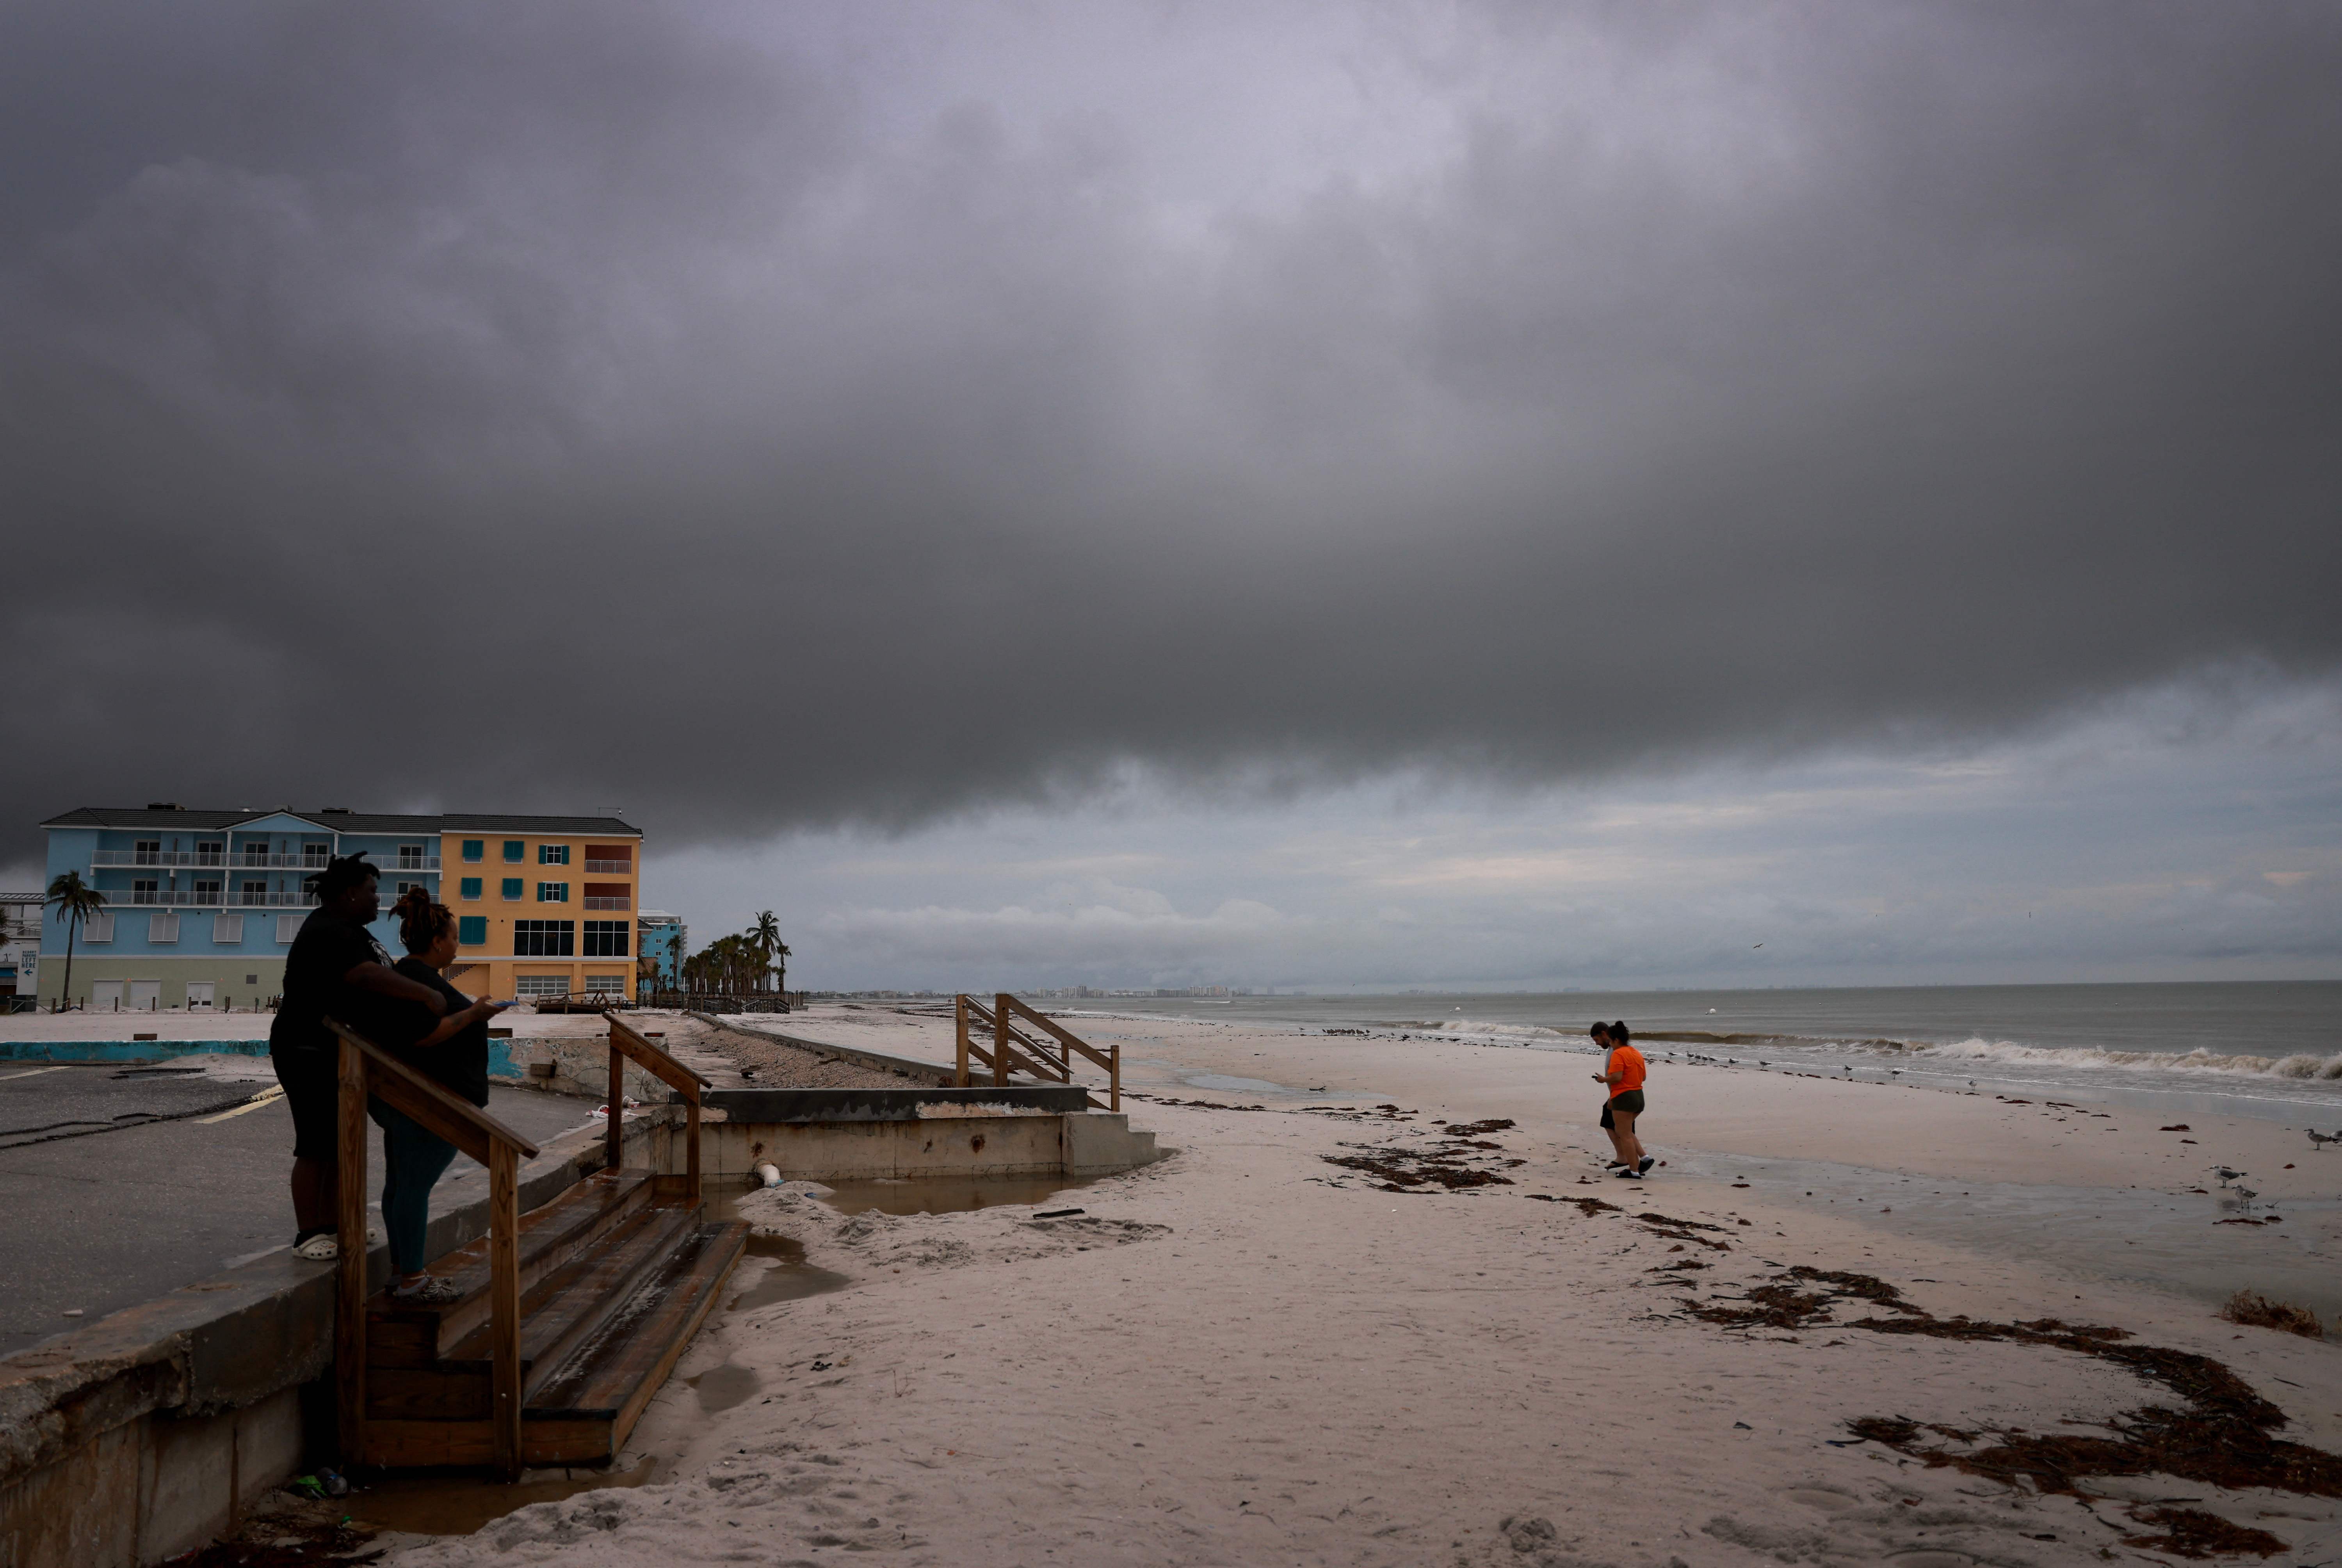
x: 201, y: 906
x: 664, y: 942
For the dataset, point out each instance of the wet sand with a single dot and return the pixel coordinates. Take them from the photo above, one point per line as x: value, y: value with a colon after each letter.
x: 1250, y: 1354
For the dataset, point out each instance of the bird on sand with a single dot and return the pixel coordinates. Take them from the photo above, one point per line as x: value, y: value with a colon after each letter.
x: 2316, y: 1137
x: 2228, y: 1175
x: 2248, y: 1196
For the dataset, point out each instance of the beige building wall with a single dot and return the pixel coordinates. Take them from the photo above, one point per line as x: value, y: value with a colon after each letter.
x: 501, y: 887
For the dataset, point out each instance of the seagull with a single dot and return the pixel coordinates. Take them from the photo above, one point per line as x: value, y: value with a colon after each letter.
x: 1754, y: 949
x: 2248, y: 1196
x: 2228, y: 1175
x: 2316, y: 1137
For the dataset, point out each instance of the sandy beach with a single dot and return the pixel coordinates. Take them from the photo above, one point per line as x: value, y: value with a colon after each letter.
x: 1250, y: 1354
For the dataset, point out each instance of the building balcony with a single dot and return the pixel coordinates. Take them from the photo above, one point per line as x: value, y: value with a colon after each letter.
x: 246, y: 861
x: 411, y: 863
x: 610, y: 867
x: 592, y: 903
x: 207, y: 898
x: 122, y: 857
x: 285, y: 899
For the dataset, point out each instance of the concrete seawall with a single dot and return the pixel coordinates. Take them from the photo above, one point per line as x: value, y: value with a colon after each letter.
x: 147, y: 1432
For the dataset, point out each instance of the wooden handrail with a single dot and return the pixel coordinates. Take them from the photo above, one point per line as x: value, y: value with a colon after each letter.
x: 627, y: 1044
x: 1006, y: 1038
x: 367, y: 1070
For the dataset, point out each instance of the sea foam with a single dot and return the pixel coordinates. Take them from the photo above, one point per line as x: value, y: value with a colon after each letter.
x: 2302, y: 1065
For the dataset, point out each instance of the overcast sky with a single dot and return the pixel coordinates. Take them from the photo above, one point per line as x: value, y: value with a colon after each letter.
x: 1437, y: 494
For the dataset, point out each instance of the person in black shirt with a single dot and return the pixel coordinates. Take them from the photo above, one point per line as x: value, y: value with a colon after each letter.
x: 448, y: 1045
x: 337, y: 970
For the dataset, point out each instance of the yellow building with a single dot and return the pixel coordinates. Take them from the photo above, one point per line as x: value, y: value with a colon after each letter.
x: 544, y: 906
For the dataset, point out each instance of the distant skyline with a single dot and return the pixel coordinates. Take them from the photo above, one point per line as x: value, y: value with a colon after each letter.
x: 1435, y: 493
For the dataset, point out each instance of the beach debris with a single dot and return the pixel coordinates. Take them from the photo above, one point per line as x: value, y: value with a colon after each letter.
x: 1590, y: 1207
x: 2192, y: 1532
x: 2223, y: 1438
x: 2176, y: 1127
x: 1058, y: 1214
x: 2255, y: 1310
x: 769, y: 1175
x: 1524, y: 1534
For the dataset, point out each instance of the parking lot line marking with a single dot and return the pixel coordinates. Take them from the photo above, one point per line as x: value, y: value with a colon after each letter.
x: 34, y: 1073
x: 265, y: 1097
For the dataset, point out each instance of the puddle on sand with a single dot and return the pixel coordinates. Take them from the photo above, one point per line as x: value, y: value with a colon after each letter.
x: 790, y: 1278
x: 458, y: 1506
x: 722, y: 1387
x: 947, y: 1194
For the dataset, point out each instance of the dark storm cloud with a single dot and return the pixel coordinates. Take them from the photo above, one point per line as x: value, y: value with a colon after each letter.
x: 742, y: 418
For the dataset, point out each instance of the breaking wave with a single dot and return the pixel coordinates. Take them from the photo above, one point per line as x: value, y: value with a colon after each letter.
x: 2199, y: 1060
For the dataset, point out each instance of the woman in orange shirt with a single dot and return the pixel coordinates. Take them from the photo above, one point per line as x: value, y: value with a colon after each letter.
x: 1624, y: 1073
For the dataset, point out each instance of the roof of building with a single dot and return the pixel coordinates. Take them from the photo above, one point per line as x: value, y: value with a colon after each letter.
x: 187, y: 821
x: 22, y: 898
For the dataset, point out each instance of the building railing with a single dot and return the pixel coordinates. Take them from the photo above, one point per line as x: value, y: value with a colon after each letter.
x: 367, y: 1070
x: 595, y: 901
x: 241, y: 860
x: 611, y: 868
x: 188, y: 898
x: 413, y: 862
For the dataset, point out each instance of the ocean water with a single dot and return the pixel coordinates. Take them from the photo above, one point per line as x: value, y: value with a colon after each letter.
x: 2271, y: 1050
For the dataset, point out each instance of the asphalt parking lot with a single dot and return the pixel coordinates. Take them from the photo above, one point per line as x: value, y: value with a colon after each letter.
x: 124, y: 1183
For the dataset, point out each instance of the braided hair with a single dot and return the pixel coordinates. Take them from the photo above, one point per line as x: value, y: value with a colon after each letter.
x: 421, y: 921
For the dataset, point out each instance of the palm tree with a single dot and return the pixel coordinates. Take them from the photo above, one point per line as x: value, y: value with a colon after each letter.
x: 74, y: 901
x: 765, y: 935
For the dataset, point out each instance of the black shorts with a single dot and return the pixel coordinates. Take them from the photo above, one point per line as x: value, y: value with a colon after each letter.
x: 1631, y: 1101
x: 312, y: 1081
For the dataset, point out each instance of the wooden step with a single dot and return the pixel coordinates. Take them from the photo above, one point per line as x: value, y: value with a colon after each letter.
x: 581, y: 1415
x: 558, y: 1315
x: 550, y: 1238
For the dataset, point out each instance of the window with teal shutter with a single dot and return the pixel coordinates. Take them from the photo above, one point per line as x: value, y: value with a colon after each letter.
x: 512, y: 888
x: 553, y: 893
x: 471, y: 887
x: 472, y: 930
x: 514, y: 849
x: 476, y: 849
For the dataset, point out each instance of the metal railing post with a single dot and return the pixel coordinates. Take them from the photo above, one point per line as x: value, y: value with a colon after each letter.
x: 959, y: 1032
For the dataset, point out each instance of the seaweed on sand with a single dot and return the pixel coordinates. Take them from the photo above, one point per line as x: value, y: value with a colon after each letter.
x: 2223, y: 1435
x: 2255, y: 1310
x: 1415, y: 1169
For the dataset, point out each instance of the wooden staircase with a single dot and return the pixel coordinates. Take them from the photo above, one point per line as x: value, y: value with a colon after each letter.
x: 571, y: 1315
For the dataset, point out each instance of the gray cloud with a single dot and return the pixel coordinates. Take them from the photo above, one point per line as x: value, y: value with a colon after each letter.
x: 767, y: 419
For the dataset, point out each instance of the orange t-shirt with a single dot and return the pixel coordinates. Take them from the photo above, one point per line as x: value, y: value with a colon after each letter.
x: 1627, y: 1063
